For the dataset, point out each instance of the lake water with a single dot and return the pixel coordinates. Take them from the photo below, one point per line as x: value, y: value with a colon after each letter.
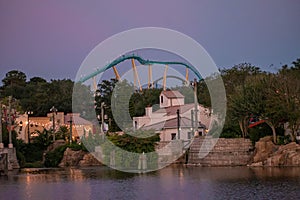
x: 174, y: 182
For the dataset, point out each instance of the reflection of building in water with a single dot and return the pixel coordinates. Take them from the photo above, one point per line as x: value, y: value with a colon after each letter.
x: 165, y: 119
x: 38, y: 124
x: 38, y: 182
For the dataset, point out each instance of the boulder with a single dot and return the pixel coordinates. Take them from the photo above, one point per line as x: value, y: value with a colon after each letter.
x: 268, y: 154
x: 71, y: 158
x: 263, y: 149
x: 286, y: 155
x: 89, y: 160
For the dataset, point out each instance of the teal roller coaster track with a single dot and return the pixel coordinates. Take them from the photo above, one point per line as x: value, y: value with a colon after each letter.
x: 141, y: 61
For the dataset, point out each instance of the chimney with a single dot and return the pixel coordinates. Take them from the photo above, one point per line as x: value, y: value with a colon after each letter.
x: 148, y: 111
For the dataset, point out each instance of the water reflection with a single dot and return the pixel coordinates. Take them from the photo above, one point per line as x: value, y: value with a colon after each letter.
x: 169, y: 183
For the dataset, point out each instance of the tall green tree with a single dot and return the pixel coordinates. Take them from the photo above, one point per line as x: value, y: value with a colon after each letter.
x: 13, y: 84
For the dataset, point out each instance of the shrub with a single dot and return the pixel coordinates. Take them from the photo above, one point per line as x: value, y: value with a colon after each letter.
x: 77, y: 147
x: 53, y: 158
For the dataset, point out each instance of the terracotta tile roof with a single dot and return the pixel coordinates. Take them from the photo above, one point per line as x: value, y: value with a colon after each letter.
x: 77, y: 120
x: 173, y: 109
x: 171, y: 124
x: 172, y: 94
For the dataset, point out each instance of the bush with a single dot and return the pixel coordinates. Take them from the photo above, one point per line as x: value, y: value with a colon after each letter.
x: 21, y: 158
x: 77, y: 147
x: 53, y: 158
x: 283, y: 139
x: 258, y: 132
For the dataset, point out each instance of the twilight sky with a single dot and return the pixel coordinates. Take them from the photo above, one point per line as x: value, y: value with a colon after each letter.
x: 51, y: 38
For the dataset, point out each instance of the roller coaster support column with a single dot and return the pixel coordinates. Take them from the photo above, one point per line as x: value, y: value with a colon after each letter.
x: 136, y: 77
x: 116, y: 73
x: 165, y: 78
x: 150, y: 81
x: 186, y: 75
x: 94, y: 84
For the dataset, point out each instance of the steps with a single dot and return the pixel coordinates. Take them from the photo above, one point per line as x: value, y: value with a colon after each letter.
x: 220, y: 151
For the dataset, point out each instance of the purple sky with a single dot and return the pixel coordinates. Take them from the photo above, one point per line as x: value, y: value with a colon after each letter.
x: 51, y: 38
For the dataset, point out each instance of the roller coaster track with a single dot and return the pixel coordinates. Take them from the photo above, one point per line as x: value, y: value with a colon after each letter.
x: 141, y: 61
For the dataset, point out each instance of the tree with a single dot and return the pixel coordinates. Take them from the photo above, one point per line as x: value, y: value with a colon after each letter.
x: 14, y: 77
x: 239, y: 92
x: 285, y: 91
x: 104, y: 95
x: 37, y: 80
x: 13, y: 84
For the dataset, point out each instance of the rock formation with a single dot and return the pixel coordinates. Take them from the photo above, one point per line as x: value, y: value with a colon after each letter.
x: 80, y: 158
x: 268, y: 154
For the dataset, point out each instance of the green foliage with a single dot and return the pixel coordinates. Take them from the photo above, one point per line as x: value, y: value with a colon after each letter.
x: 258, y: 132
x: 271, y: 97
x: 119, y: 102
x: 53, y: 158
x: 32, y: 154
x: 127, y: 147
x: 77, y: 147
x: 138, y: 142
x: 21, y: 158
x: 5, y: 135
x: 284, y: 139
x: 38, y: 95
x: 13, y: 84
x: 43, y: 139
x: 62, y: 133
x: 140, y: 100
x: 231, y: 131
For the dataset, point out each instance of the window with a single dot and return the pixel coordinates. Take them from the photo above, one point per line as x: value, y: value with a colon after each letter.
x: 173, y: 136
x: 161, y: 99
x: 135, y: 124
x: 189, y: 135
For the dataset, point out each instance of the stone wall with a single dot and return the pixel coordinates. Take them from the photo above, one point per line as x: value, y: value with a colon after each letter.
x: 12, y: 158
x: 225, y: 152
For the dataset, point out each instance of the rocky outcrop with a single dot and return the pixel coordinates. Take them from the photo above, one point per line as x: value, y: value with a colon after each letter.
x: 268, y: 154
x: 81, y: 158
x: 71, y: 158
x: 89, y: 160
x: 263, y: 149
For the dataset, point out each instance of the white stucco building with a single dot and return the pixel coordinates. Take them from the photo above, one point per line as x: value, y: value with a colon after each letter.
x: 80, y: 126
x: 165, y: 120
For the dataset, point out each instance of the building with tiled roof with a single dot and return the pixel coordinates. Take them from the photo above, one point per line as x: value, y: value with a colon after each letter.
x: 80, y: 126
x: 165, y: 120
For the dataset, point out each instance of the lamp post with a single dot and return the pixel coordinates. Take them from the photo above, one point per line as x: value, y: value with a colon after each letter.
x: 71, y: 124
x: 28, y: 129
x: 196, y: 105
x: 178, y: 123
x: 54, y: 111
x: 10, y: 145
x: 102, y: 117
